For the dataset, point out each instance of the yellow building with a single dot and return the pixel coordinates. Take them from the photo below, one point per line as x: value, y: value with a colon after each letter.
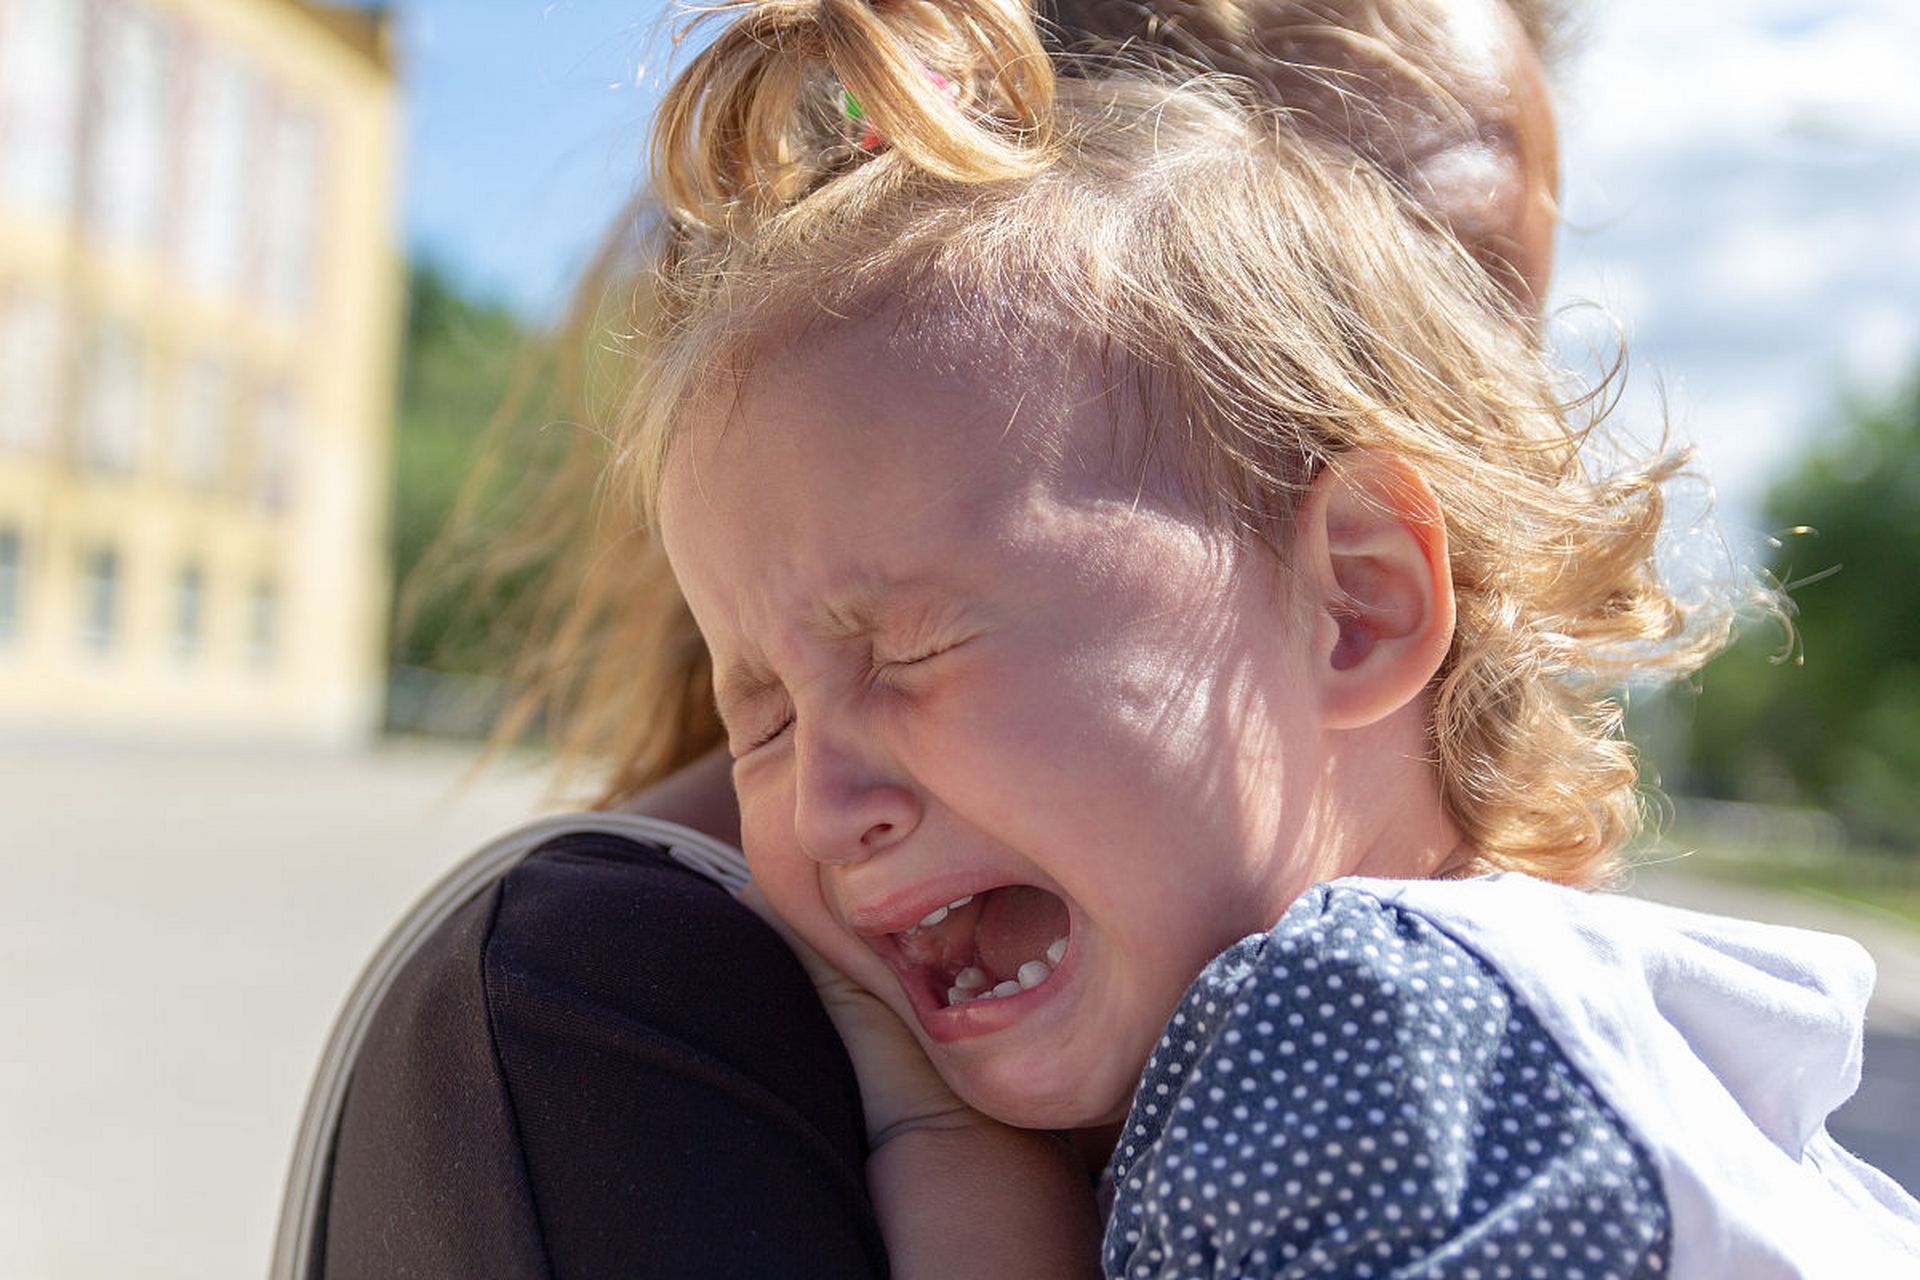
x: 198, y: 331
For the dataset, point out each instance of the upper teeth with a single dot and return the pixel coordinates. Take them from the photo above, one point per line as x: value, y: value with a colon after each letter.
x: 938, y: 914
x: 968, y: 982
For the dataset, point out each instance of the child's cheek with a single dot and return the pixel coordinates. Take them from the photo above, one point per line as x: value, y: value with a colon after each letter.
x: 789, y: 879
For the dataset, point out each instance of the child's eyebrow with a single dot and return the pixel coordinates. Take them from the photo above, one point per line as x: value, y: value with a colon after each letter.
x: 739, y: 682
x: 874, y: 604
x: 877, y: 603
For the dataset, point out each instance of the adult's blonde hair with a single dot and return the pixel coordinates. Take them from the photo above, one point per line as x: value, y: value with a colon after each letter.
x: 1267, y: 298
x: 1445, y: 97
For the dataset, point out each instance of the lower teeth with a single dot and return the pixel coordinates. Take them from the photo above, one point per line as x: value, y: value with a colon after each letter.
x: 968, y: 983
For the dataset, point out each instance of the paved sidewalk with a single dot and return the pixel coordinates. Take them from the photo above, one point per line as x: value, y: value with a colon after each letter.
x: 176, y: 930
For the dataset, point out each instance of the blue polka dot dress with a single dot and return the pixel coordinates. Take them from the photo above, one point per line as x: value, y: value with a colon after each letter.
x: 1503, y: 1079
x: 1356, y: 1094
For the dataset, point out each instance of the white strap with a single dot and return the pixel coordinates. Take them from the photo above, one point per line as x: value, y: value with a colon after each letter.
x: 300, y: 1208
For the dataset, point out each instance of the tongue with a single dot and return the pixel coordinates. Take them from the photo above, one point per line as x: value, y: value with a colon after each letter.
x: 1016, y: 925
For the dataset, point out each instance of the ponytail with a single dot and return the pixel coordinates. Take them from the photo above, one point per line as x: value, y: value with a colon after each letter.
x: 784, y: 96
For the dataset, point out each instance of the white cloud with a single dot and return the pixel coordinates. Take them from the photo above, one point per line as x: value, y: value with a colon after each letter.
x: 1740, y: 180
x: 1883, y: 342
x: 1764, y: 263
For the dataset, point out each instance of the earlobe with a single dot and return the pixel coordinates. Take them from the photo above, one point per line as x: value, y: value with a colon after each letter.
x: 1372, y: 547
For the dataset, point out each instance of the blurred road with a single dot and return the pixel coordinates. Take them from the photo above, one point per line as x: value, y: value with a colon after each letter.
x: 177, y: 927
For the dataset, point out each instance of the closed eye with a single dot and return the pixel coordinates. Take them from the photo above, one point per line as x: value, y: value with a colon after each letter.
x: 883, y: 669
x: 767, y: 737
x: 918, y: 657
x: 883, y: 666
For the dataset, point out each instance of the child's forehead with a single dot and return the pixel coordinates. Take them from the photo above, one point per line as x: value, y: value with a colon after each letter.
x: 1048, y: 382
x: 1047, y: 398
x: 997, y: 343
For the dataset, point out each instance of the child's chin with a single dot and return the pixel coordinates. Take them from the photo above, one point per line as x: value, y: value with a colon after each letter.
x: 1030, y: 1104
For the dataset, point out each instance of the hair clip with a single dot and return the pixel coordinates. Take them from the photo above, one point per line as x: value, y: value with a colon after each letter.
x: 870, y: 139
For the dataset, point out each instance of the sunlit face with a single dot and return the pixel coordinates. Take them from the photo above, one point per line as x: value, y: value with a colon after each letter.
x: 1002, y: 719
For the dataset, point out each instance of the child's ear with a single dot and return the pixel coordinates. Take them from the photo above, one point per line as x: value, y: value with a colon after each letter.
x: 1371, y: 549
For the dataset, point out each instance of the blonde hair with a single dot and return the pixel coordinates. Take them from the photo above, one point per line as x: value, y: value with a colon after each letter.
x: 1245, y: 37
x: 1271, y: 301
x: 1445, y: 97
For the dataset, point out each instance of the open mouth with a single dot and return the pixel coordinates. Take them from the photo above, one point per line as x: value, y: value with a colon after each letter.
x: 984, y: 946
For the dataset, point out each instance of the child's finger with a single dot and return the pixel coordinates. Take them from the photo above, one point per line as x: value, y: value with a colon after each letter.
x: 899, y: 1088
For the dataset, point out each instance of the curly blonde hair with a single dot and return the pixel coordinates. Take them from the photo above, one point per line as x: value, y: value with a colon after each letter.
x: 1271, y: 300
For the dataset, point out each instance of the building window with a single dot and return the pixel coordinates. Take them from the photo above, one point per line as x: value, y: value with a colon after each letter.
x: 204, y: 399
x: 30, y: 342
x: 216, y: 136
x: 189, y: 611
x: 263, y: 622
x: 273, y: 449
x: 42, y: 50
x: 100, y: 599
x: 293, y: 195
x: 113, y: 421
x: 12, y: 581
x: 127, y: 164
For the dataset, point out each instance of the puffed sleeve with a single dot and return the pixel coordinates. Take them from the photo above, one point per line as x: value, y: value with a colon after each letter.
x: 1355, y: 1094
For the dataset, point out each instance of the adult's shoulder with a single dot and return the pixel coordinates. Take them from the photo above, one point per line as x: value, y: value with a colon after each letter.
x: 569, y: 1072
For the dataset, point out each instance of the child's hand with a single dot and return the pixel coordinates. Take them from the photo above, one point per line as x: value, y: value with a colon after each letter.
x: 957, y: 1193
x: 899, y: 1089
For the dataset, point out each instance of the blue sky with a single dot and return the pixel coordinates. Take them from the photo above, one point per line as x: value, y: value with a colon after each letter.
x: 526, y: 131
x: 1740, y: 178
x: 1740, y: 181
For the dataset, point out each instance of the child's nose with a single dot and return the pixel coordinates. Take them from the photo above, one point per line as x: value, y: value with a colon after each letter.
x: 849, y: 803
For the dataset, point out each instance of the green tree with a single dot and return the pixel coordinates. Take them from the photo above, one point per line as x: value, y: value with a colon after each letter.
x: 1838, y: 723
x: 462, y: 362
